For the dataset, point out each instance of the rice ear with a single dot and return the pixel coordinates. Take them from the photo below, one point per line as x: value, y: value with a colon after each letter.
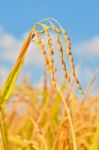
x: 69, y: 54
x: 59, y: 45
x: 51, y: 53
x: 71, y: 61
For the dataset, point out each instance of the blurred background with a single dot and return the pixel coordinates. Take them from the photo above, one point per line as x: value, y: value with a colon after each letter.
x: 79, y: 18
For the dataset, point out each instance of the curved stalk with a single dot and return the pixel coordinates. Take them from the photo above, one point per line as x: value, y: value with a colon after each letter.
x: 69, y: 118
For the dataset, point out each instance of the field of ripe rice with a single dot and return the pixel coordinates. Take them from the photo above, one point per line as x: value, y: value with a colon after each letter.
x: 36, y: 120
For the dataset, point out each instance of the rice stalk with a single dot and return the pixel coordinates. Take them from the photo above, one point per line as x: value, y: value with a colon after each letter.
x: 4, y: 132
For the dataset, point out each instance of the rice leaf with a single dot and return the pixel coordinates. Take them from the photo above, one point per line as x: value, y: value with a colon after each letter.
x: 10, y: 82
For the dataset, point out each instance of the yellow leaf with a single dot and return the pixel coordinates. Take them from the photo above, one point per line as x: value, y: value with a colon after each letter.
x: 9, y: 84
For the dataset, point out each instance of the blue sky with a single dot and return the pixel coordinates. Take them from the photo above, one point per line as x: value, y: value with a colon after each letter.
x: 79, y: 18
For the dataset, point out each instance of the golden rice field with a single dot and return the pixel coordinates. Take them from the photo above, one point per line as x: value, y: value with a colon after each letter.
x: 51, y: 116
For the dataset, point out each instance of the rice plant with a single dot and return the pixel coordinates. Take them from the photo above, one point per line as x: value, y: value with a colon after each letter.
x: 59, y: 120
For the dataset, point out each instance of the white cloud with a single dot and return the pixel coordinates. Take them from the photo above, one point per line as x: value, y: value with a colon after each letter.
x: 3, y: 74
x: 89, y: 47
x: 87, y: 53
x: 1, y: 29
x: 86, y: 75
x: 10, y: 47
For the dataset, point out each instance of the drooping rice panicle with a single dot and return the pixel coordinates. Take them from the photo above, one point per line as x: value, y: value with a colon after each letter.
x: 51, y: 66
x: 51, y: 53
x: 57, y: 31
x: 62, y: 58
x: 69, y: 53
x: 42, y: 47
